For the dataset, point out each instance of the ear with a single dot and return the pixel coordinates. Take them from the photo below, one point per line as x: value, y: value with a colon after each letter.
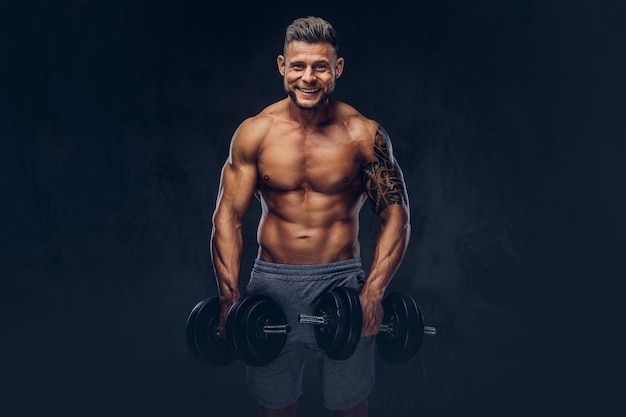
x: 280, y: 61
x: 339, y: 67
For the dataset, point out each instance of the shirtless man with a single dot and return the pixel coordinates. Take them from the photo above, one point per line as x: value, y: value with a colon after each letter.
x: 312, y: 162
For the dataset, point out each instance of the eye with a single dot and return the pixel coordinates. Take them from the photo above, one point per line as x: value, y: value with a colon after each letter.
x: 321, y: 67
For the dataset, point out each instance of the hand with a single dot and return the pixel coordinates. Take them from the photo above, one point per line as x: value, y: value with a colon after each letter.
x: 226, y: 305
x: 372, y: 315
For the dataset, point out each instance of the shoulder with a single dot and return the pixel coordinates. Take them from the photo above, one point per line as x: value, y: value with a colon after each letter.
x: 365, y: 132
x: 251, y: 132
x: 357, y: 125
x: 253, y: 128
x: 256, y: 127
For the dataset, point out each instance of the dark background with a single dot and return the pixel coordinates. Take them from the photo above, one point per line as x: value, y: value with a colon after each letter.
x: 508, y: 118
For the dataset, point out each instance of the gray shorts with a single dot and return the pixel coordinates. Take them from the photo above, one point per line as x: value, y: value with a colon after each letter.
x: 297, y: 289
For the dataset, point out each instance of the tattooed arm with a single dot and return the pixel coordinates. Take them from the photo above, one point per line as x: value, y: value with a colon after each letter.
x: 385, y: 188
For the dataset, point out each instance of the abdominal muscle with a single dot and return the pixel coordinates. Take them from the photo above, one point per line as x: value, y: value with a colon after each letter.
x: 304, y: 228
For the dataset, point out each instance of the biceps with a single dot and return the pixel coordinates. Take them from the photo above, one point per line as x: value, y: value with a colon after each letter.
x: 237, y: 186
x: 382, y: 177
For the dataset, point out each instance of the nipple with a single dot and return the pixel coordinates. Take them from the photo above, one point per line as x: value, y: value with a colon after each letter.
x: 266, y: 177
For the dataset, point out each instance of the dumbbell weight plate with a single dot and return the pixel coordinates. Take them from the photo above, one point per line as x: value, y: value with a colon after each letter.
x: 340, y: 336
x: 202, y: 337
x: 230, y: 324
x: 244, y: 330
x: 190, y: 330
x: 405, y: 315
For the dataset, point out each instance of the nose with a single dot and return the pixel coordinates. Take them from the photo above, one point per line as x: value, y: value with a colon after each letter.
x: 308, y: 76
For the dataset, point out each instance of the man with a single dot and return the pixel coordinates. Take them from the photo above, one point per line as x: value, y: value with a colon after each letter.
x: 312, y: 162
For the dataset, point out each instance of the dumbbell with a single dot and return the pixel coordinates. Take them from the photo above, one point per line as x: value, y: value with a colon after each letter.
x: 339, y: 320
x: 256, y: 331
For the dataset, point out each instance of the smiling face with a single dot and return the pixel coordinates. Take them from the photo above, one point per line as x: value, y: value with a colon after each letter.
x: 309, y: 72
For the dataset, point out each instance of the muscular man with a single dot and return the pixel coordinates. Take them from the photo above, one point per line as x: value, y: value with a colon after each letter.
x: 312, y: 162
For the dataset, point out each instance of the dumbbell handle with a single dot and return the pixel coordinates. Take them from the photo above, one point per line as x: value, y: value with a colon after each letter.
x: 276, y: 329
x: 269, y: 329
x: 309, y: 319
x: 428, y: 330
x: 384, y: 327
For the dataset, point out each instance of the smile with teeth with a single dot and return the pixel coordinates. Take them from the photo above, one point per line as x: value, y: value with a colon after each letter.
x: 309, y: 90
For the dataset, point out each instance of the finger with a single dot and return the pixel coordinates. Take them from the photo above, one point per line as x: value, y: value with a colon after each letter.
x: 369, y: 328
x: 222, y: 325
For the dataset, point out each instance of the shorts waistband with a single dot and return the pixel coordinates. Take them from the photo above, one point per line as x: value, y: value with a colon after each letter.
x: 307, y: 272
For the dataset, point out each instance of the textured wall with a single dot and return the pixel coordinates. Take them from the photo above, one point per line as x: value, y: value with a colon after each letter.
x: 508, y: 121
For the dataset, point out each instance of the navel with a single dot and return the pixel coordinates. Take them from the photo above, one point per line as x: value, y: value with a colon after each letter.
x: 345, y: 179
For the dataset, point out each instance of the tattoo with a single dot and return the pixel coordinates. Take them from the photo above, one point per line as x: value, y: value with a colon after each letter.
x: 383, y: 180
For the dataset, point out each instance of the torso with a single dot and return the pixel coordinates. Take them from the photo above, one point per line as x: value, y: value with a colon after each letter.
x: 310, y: 187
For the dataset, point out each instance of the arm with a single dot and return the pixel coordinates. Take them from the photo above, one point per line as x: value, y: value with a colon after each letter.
x: 385, y: 188
x: 237, y: 185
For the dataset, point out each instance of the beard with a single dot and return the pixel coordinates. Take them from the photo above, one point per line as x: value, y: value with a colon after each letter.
x: 291, y: 93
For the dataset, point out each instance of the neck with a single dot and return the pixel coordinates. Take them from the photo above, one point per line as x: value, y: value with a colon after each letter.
x: 310, y: 118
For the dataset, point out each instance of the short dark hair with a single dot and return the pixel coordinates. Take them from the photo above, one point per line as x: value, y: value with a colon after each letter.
x: 311, y: 29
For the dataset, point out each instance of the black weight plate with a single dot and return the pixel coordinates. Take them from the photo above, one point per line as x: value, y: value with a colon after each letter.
x: 202, y: 337
x: 403, y: 313
x: 245, y: 329
x: 340, y: 336
x: 190, y: 330
x: 235, y: 337
x: 349, y: 298
x: 327, y: 336
x: 230, y: 325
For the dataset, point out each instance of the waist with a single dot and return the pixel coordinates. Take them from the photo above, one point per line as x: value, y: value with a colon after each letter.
x: 307, y: 272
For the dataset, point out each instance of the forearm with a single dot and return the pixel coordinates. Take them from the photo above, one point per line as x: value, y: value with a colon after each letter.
x: 389, y: 252
x: 226, y: 249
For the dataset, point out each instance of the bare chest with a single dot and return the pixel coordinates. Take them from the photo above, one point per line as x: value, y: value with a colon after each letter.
x: 321, y: 162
